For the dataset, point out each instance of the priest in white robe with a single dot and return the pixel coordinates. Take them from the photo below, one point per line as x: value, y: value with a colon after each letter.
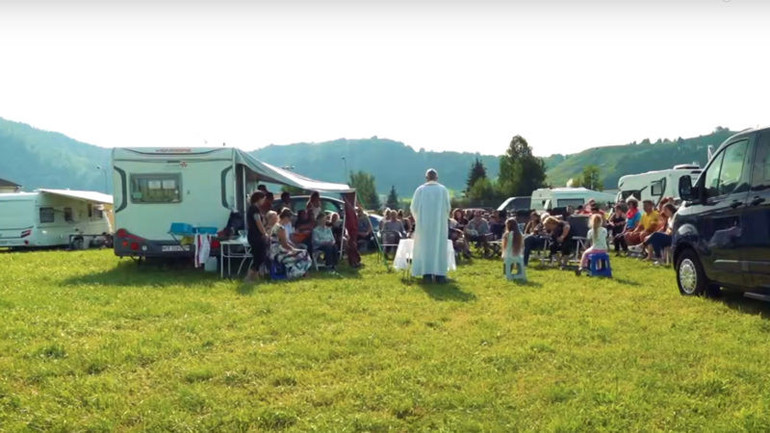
x: 430, y: 208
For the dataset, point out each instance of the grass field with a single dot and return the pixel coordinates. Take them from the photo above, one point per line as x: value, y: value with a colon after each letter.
x: 92, y: 343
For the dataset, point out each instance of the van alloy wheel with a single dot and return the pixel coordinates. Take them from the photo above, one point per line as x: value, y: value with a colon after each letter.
x: 688, y: 276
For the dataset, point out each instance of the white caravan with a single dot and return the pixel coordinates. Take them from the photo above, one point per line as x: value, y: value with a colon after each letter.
x: 654, y: 185
x: 53, y: 217
x: 559, y: 198
x: 193, y: 188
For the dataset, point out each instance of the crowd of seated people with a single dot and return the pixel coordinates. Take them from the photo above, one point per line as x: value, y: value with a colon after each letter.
x: 646, y: 231
x: 291, y: 238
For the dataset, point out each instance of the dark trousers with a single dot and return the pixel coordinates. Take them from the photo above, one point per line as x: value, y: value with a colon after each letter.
x: 330, y: 254
x: 564, y: 247
x: 258, y: 252
x: 620, y: 242
x: 532, y: 242
x: 659, y: 240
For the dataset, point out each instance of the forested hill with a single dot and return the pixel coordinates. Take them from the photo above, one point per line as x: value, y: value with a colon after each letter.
x: 36, y: 158
x: 391, y: 162
x: 617, y: 161
x: 40, y: 159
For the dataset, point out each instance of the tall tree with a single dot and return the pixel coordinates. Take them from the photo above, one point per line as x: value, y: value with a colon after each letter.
x: 392, y: 201
x: 365, y: 189
x: 478, y: 171
x: 591, y: 178
x: 520, y: 171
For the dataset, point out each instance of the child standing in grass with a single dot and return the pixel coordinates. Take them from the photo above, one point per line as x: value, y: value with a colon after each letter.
x: 598, y: 236
x: 512, y: 251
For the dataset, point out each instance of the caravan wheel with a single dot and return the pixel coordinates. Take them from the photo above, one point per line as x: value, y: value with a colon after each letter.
x: 77, y: 243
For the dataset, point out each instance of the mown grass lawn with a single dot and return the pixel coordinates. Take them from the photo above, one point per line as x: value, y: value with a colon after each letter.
x: 92, y: 343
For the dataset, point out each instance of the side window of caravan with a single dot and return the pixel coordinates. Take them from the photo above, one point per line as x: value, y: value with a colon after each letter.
x: 68, y: 214
x: 156, y: 188
x: 656, y: 188
x: 574, y: 202
x: 46, y: 215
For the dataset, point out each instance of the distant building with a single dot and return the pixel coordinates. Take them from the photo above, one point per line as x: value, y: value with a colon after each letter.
x: 8, y: 186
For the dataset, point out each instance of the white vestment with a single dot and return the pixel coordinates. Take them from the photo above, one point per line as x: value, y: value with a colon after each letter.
x: 430, y: 208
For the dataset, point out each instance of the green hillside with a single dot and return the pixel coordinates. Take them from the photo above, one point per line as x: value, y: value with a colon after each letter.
x: 391, y: 162
x: 42, y: 159
x: 36, y: 158
x: 617, y: 161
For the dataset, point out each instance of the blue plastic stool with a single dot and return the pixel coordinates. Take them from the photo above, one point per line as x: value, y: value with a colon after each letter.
x: 521, y: 274
x: 599, y: 265
x: 277, y: 271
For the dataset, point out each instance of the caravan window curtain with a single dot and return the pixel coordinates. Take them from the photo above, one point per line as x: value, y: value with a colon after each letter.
x: 156, y: 188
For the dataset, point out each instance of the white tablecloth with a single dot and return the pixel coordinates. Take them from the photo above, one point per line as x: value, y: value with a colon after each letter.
x: 404, y: 255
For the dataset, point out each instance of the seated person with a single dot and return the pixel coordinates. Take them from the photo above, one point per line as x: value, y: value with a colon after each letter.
x: 497, y: 225
x: 365, y: 230
x: 534, y: 236
x: 459, y: 243
x: 561, y: 238
x: 617, y: 223
x: 303, y: 230
x: 633, y: 216
x: 323, y: 240
x: 285, y: 202
x: 336, y: 226
x: 477, y: 229
x: 647, y: 225
x: 296, y: 261
x: 392, y: 224
x: 662, y: 238
x: 597, y: 236
x: 404, y: 221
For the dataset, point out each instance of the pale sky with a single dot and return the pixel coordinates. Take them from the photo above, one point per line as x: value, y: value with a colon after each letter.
x: 443, y: 75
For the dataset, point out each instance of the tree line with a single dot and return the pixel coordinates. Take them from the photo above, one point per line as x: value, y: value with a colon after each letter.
x: 520, y: 173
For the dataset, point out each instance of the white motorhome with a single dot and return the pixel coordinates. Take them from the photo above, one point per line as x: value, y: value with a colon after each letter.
x: 654, y: 185
x: 54, y: 217
x: 558, y: 198
x: 192, y: 187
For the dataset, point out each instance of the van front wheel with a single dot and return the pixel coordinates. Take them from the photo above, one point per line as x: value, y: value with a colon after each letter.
x: 690, y: 276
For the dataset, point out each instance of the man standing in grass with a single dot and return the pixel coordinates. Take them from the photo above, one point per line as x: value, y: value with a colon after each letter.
x: 430, y: 208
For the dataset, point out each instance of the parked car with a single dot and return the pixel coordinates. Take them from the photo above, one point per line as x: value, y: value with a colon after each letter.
x: 722, y: 230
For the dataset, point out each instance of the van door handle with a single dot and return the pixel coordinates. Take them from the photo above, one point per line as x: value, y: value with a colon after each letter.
x: 757, y: 201
x: 735, y: 204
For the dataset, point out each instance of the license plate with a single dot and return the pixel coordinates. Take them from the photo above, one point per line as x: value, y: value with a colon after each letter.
x: 174, y: 248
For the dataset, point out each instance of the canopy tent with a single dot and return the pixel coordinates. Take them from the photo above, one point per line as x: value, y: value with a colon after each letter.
x: 263, y: 171
x: 91, y: 196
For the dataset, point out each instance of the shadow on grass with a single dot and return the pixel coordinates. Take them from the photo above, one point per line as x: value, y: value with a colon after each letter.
x: 129, y: 273
x: 626, y: 282
x: 736, y: 301
x: 171, y: 273
x: 446, y: 292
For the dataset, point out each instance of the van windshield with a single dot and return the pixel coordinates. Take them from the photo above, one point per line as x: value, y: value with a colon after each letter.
x: 16, y: 214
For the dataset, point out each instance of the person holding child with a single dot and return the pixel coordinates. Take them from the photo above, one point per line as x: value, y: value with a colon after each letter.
x: 561, y: 238
x: 597, y: 234
x: 512, y: 251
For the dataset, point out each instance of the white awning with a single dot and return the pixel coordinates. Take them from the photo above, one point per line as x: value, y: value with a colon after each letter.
x: 273, y: 174
x: 92, y: 196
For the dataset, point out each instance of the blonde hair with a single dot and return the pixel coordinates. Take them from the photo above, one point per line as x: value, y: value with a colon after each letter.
x: 550, y: 220
x: 596, y: 224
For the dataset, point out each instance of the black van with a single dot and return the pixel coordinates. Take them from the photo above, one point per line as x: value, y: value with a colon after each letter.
x: 721, y: 232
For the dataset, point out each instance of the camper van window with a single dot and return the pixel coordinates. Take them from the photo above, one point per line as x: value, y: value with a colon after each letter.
x: 46, y: 215
x: 156, y: 188
x: 627, y: 194
x: 574, y: 202
x: 98, y: 214
x: 68, y: 214
x: 656, y: 188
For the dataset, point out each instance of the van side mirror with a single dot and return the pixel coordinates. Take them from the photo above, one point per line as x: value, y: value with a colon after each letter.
x: 685, y: 188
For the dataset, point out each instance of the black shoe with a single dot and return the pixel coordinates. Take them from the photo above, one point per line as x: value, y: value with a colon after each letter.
x: 427, y: 279
x: 578, y: 271
x: 440, y: 279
